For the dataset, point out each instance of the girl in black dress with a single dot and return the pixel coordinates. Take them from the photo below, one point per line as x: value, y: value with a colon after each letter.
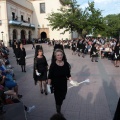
x: 117, y: 54
x: 41, y: 67
x: 22, y: 55
x: 59, y: 73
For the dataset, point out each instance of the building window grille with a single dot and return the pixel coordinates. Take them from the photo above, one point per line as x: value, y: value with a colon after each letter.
x: 42, y: 7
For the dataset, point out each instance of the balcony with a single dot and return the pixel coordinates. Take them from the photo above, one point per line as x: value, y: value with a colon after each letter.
x: 21, y: 23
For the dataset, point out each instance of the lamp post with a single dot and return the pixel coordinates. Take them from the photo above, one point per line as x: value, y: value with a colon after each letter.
x: 38, y: 30
x: 2, y: 35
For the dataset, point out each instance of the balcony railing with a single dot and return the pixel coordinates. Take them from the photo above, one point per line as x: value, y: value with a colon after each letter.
x: 21, y: 23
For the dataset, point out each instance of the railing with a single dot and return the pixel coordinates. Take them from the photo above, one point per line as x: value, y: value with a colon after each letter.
x: 21, y: 23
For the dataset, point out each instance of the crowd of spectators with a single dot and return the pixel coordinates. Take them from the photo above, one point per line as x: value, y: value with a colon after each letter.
x: 105, y: 47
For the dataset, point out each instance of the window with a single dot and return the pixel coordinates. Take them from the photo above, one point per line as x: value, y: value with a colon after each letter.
x: 13, y: 16
x: 22, y: 18
x: 28, y: 20
x: 42, y: 7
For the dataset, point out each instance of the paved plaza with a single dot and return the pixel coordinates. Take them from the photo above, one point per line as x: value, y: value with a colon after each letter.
x: 95, y: 100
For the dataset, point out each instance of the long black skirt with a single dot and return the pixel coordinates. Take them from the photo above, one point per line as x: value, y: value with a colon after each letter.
x: 60, y: 94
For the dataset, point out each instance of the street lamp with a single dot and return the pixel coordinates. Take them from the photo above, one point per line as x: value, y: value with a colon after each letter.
x: 2, y: 35
x: 38, y: 30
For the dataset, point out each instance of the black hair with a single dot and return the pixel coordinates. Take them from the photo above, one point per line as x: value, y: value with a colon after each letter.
x: 38, y: 47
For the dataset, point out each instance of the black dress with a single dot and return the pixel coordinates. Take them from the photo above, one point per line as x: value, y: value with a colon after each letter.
x: 22, y: 55
x: 17, y: 52
x: 41, y: 65
x: 73, y: 47
x: 59, y: 76
x: 93, y: 52
x: 117, y: 52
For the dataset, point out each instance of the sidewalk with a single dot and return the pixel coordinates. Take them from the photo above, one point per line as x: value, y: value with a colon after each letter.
x: 96, y: 100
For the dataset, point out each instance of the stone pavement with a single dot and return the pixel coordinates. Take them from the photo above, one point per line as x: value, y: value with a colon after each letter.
x: 95, y: 100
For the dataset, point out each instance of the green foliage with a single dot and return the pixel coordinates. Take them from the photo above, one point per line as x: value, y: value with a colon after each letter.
x: 112, y: 25
x: 73, y: 18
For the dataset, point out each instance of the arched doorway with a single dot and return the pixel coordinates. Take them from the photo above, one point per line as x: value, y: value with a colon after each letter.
x: 43, y: 35
x: 23, y: 37
x: 14, y: 34
x: 22, y: 34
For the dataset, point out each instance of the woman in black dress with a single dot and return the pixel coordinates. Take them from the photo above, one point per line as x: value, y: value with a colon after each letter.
x: 41, y: 67
x: 74, y: 47
x: 59, y: 73
x: 94, y: 53
x: 117, y: 54
x: 22, y: 55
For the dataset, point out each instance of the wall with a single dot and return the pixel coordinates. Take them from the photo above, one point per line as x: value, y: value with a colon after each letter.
x: 19, y: 10
x: 4, y: 25
x: 24, y: 8
x: 40, y: 18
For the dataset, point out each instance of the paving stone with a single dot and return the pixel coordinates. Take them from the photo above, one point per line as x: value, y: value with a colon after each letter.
x: 96, y: 100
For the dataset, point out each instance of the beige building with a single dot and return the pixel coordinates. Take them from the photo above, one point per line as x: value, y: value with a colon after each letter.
x: 26, y: 19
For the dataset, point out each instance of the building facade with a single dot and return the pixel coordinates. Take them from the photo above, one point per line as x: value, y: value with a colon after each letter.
x: 26, y: 19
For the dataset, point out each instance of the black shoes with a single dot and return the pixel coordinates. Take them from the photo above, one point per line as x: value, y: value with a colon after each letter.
x: 44, y: 92
x: 41, y: 91
x: 95, y: 61
x: 23, y: 70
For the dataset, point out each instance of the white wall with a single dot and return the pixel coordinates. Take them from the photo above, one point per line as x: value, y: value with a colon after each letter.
x: 40, y: 18
x: 24, y: 3
x: 4, y: 26
x: 74, y: 34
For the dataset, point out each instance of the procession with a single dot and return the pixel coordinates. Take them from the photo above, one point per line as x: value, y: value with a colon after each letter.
x: 59, y: 60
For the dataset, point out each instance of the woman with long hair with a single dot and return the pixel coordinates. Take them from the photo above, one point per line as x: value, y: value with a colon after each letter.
x: 41, y: 67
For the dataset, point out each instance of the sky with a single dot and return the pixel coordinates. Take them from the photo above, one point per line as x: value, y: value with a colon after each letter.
x: 107, y: 6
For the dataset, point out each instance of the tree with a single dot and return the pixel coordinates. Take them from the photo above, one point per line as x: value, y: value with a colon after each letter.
x: 73, y: 18
x: 112, y: 25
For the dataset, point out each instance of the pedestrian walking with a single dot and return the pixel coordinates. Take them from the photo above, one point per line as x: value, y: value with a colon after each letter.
x: 59, y: 73
x: 22, y: 55
x: 94, y: 53
x: 33, y: 44
x: 117, y: 54
x: 41, y: 67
